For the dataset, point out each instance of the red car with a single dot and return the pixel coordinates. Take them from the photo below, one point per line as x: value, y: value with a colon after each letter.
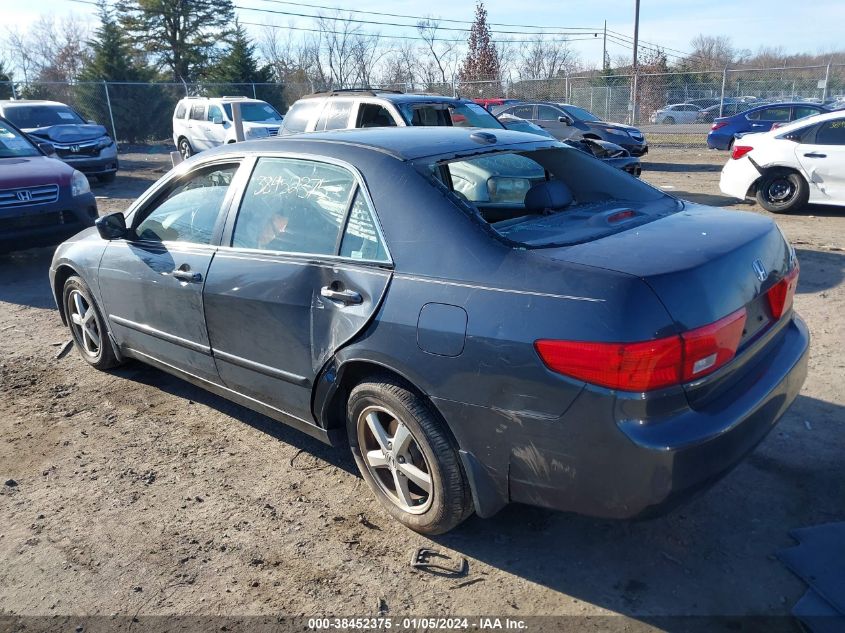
x: 492, y: 103
x: 43, y: 200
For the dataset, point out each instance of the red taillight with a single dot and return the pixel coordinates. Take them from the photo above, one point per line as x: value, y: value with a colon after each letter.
x: 739, y: 151
x: 647, y: 365
x: 780, y: 295
x: 708, y: 348
x: 718, y: 125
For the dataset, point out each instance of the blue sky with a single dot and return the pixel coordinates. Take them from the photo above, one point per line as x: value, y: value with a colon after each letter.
x: 670, y: 23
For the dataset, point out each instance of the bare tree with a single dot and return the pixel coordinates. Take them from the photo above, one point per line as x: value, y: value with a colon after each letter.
x: 547, y: 59
x: 438, y: 54
x: 51, y: 50
x: 399, y: 66
x: 366, y: 53
x: 337, y: 45
x: 710, y: 52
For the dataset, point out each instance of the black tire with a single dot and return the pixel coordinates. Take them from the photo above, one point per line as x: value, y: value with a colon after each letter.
x: 107, y: 178
x: 104, y: 357
x: 782, y: 191
x: 450, y: 501
x: 185, y: 148
x: 669, y: 120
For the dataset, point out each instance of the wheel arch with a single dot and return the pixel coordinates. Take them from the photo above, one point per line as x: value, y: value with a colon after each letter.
x: 766, y: 169
x: 63, y: 273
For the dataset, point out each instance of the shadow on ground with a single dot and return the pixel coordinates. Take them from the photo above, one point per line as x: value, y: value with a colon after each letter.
x: 681, y: 167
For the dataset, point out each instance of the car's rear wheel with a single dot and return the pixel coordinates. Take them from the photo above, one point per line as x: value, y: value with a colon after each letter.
x: 782, y: 191
x: 185, y: 148
x: 406, y: 456
x: 86, y: 324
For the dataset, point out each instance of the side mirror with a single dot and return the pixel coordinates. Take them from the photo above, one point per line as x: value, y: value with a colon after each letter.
x: 47, y: 148
x: 565, y: 119
x: 218, y: 120
x: 112, y: 226
x: 91, y: 122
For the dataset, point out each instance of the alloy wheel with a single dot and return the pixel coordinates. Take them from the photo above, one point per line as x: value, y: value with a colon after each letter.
x: 84, y: 323
x: 393, y: 457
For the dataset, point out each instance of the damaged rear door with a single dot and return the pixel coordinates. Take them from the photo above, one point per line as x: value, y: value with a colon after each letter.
x: 303, y: 269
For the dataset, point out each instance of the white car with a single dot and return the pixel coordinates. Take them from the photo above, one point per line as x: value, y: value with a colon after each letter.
x: 204, y: 122
x: 676, y: 113
x: 790, y: 166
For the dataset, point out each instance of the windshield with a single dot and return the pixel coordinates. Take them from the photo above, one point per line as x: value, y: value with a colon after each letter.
x: 448, y: 114
x: 549, y: 197
x: 34, y: 116
x: 579, y: 114
x: 14, y: 145
x: 255, y: 112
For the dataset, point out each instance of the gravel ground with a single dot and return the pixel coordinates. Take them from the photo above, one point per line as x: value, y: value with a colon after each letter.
x: 132, y: 492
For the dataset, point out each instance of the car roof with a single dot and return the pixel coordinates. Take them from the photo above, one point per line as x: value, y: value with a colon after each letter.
x: 404, y: 143
x: 395, y: 97
x: 226, y: 99
x: 28, y: 102
x: 782, y: 104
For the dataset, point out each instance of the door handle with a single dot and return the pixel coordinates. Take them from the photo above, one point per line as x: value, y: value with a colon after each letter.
x: 346, y: 297
x: 187, y: 275
x: 815, y: 155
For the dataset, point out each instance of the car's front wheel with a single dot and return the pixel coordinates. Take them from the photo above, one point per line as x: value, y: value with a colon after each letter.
x: 669, y: 120
x: 406, y: 456
x: 185, y: 148
x: 86, y: 324
x: 782, y: 191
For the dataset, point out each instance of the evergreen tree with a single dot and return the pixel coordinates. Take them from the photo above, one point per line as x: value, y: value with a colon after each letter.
x: 239, y: 63
x: 112, y: 57
x: 180, y: 34
x: 5, y: 82
x: 481, y: 62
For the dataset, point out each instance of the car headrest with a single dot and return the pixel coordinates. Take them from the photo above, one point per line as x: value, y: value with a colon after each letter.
x: 550, y: 194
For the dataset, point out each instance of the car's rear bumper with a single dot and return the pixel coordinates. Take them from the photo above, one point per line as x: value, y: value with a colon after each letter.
x: 593, y: 461
x: 101, y: 166
x: 46, y: 225
x: 719, y: 141
x: 737, y: 177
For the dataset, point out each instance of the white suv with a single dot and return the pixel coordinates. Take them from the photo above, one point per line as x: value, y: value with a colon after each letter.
x: 204, y: 122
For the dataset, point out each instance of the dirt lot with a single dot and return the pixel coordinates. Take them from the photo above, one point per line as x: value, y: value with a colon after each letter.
x: 137, y: 493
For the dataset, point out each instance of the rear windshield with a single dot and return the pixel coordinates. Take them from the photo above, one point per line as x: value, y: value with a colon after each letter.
x: 549, y: 197
x: 448, y: 114
x: 32, y: 116
x: 13, y: 145
x: 255, y: 112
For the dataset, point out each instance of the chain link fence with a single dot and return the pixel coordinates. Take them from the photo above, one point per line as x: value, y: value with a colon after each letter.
x: 142, y: 112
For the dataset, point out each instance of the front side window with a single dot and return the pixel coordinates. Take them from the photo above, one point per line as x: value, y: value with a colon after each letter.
x: 458, y: 114
x: 198, y: 112
x: 580, y: 114
x: 214, y: 112
x: 522, y: 111
x: 831, y: 133
x: 13, y: 145
x: 294, y: 206
x: 189, y: 211
x: 548, y: 113
x: 35, y: 116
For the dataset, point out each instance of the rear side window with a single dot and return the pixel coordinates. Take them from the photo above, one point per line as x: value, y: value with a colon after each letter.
x: 294, y: 206
x: 374, y: 115
x: 831, y: 133
x: 300, y: 113
x: 361, y: 239
x: 214, y: 112
x: 770, y: 114
x: 198, y: 112
x: 180, y: 111
x: 335, y: 116
x: 799, y: 112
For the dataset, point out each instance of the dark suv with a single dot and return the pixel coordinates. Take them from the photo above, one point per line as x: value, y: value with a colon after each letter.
x: 342, y: 109
x: 565, y: 121
x: 42, y: 200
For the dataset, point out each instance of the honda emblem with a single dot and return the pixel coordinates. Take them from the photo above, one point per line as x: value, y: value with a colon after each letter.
x: 74, y: 149
x: 760, y: 270
x: 23, y: 195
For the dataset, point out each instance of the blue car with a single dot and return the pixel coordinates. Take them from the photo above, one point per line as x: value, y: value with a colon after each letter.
x: 759, y: 119
x: 473, y: 339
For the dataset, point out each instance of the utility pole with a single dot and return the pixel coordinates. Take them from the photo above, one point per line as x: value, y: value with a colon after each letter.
x: 635, y: 69
x: 604, y: 48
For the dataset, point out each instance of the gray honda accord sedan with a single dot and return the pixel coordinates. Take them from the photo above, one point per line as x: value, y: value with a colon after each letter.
x: 579, y: 341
